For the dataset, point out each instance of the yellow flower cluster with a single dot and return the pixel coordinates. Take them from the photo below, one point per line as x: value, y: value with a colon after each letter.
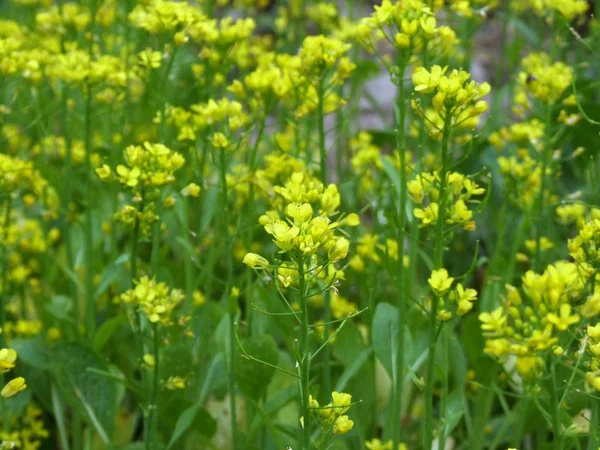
x: 521, y: 133
x: 366, y: 160
x: 202, y: 116
x: 305, y: 233
x: 470, y: 8
x: 25, y: 242
x: 441, y: 284
x: 424, y: 191
x: 8, y: 357
x: 25, y: 431
x: 534, y: 317
x: 522, y: 178
x: 332, y: 417
x: 576, y: 214
x: 541, y: 79
x: 377, y: 444
x: 369, y: 248
x: 406, y: 24
x: 156, y: 300
x: 592, y: 336
x: 147, y: 169
x: 567, y: 9
x: 585, y: 247
x: 457, y: 99
x: 20, y: 178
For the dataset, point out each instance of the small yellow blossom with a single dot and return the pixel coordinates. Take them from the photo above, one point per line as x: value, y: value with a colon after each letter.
x: 13, y: 387
x: 440, y: 282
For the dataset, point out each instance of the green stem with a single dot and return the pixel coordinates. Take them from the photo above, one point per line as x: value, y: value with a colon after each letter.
x: 90, y: 316
x: 438, y: 262
x: 402, y: 285
x: 305, y: 358
x: 66, y: 203
x: 593, y: 441
x: 556, y: 422
x: 4, y: 285
x: 153, y: 393
x: 540, y: 224
x: 187, y: 262
x: 232, y: 307
x: 326, y: 296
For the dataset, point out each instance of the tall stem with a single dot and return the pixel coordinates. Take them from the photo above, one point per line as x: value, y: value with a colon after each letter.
x: 90, y: 316
x: 232, y: 307
x: 326, y: 295
x: 540, y: 224
x: 556, y: 423
x: 438, y: 262
x: 305, y: 358
x: 154, y: 391
x: 402, y: 289
x: 4, y: 285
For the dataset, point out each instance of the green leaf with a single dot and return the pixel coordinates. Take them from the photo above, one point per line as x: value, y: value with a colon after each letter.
x: 197, y: 416
x: 385, y: 334
x: 365, y: 70
x: 354, y: 368
x: 112, y: 273
x: 253, y: 377
x: 93, y: 396
x: 105, y: 331
x: 208, y: 209
x: 223, y: 338
x: 454, y: 411
x: 348, y: 343
x: 32, y: 351
x: 60, y: 308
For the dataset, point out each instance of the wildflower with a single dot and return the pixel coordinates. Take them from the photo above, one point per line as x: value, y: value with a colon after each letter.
x: 7, y: 359
x: 255, y: 261
x: 174, y: 383
x: 564, y: 319
x: 191, y: 190
x: 343, y: 400
x: 149, y: 361
x: 13, y: 387
x: 342, y: 425
x: 440, y: 282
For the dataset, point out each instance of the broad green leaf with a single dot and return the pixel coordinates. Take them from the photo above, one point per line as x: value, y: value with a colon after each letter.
x: 253, y: 377
x: 32, y: 351
x: 208, y: 209
x: 93, y: 396
x: 112, y: 273
x: 60, y: 308
x: 197, y: 416
x: 348, y: 343
x: 385, y: 334
x: 353, y: 369
x: 455, y: 410
x: 105, y: 332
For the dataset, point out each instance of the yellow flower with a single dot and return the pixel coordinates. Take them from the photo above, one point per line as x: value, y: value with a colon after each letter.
x: 14, y: 386
x: 7, y: 359
x: 255, y: 261
x: 565, y: 319
x: 104, y: 172
x: 192, y: 190
x: 342, y: 425
x: 339, y: 250
x: 440, y: 282
x: 174, y: 383
x: 149, y: 360
x: 493, y: 321
x: 341, y: 401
